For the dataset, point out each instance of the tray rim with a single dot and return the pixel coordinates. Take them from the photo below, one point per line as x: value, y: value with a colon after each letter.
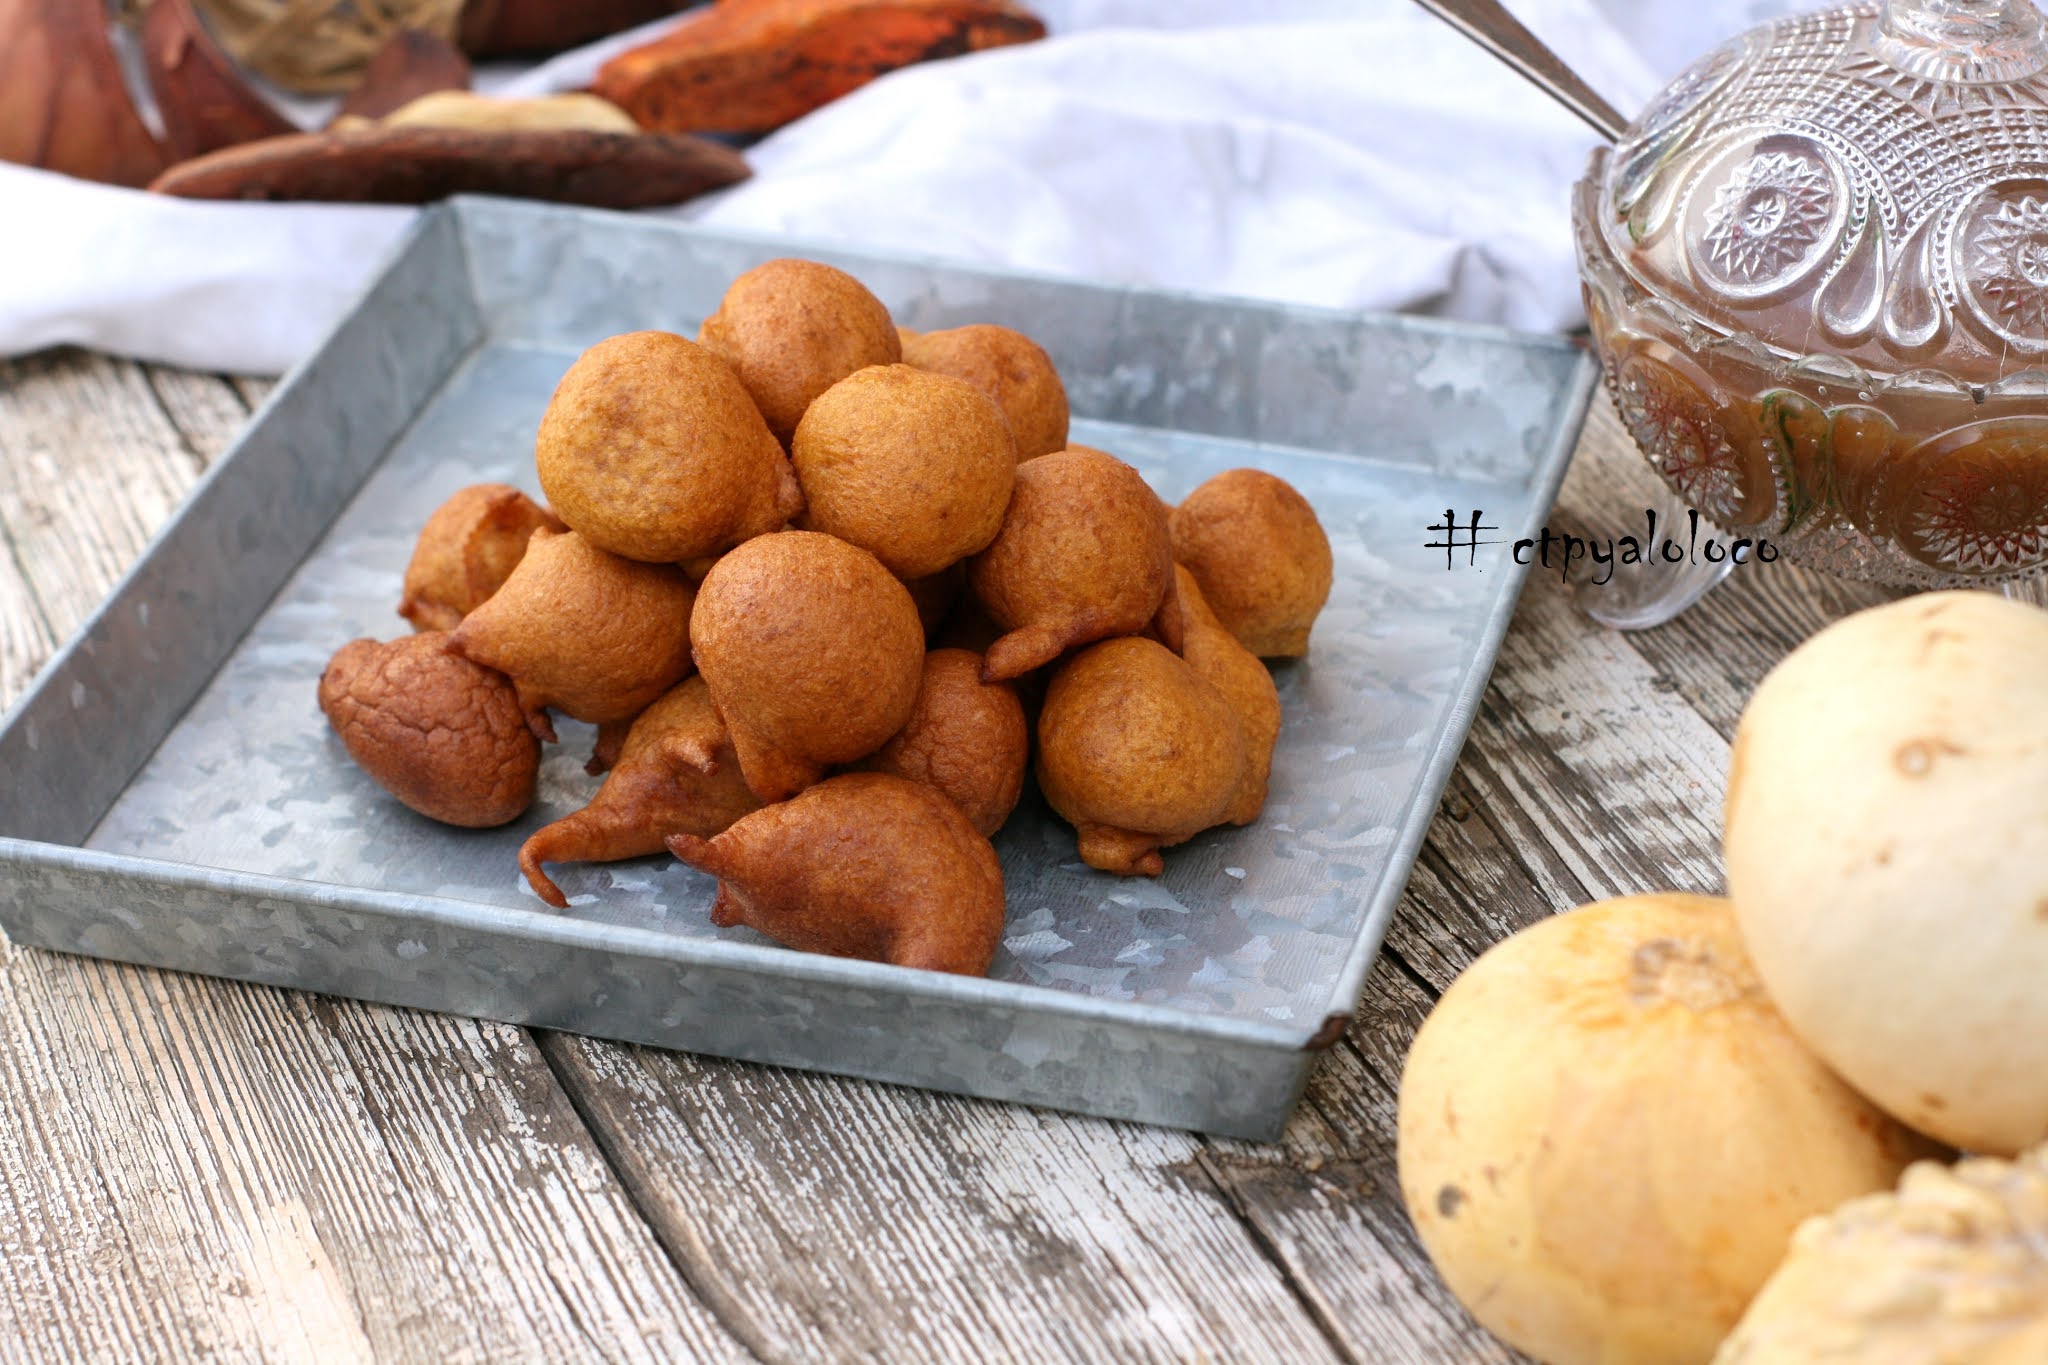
x: 674, y: 949
x: 1547, y: 471
x: 460, y: 207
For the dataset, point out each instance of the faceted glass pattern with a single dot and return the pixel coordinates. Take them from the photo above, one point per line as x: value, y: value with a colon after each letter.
x: 1816, y: 270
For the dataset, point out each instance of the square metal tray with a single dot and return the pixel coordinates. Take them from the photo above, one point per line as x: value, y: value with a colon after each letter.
x: 170, y: 795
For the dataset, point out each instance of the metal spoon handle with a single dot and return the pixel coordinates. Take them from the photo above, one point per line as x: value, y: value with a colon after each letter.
x: 1493, y: 28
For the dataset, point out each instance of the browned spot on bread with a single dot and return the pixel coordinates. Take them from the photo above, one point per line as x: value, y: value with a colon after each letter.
x: 1915, y: 758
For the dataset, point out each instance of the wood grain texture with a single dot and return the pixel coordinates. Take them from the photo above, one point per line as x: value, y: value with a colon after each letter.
x: 90, y: 466
x: 254, y: 389
x: 1710, y: 658
x: 849, y: 1220
x: 1326, y: 1200
x: 26, y: 640
x: 193, y: 1168
x: 206, y: 410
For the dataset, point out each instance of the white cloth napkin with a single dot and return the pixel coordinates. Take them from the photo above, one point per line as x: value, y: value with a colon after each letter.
x: 1353, y: 153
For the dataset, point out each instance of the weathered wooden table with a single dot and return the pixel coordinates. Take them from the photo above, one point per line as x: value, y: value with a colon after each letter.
x: 195, y: 1168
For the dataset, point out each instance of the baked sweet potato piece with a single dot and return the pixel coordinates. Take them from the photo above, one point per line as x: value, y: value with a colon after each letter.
x: 566, y: 112
x: 204, y: 100
x: 63, y: 104
x: 382, y: 164
x: 749, y: 66
x: 498, y: 28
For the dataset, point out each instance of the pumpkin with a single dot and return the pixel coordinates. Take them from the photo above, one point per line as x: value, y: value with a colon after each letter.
x: 1608, y: 1134
x: 1950, y: 1268
x: 1887, y: 849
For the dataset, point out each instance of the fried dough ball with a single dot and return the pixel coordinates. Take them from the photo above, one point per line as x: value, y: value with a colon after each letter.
x: 1083, y: 555
x: 1260, y: 555
x: 865, y: 865
x: 652, y: 449
x: 914, y: 468
x: 1137, y: 752
x: 675, y: 773
x: 591, y: 634
x: 792, y: 329
x: 1215, y: 656
x: 1164, y: 506
x: 1010, y: 368
x: 466, y: 551
x: 965, y: 738
x: 813, y: 653
x: 445, y: 736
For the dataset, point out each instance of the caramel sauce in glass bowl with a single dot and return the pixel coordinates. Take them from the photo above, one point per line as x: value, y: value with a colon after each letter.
x: 1816, y: 272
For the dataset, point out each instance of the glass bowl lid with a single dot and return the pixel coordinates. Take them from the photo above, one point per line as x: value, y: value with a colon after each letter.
x: 1868, y: 183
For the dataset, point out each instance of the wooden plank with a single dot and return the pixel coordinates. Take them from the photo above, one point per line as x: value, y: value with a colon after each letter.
x: 204, y: 412
x: 1714, y: 655
x: 845, y: 1219
x: 90, y: 466
x: 207, y: 410
x: 194, y: 1168
x: 26, y: 640
x: 1622, y: 780
x: 1326, y: 1200
x: 1475, y: 883
x: 1585, y: 748
x: 254, y: 389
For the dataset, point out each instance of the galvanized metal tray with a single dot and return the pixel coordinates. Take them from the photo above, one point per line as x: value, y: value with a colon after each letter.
x: 170, y: 795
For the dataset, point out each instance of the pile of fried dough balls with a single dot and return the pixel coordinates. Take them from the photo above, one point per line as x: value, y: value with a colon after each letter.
x: 806, y: 575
